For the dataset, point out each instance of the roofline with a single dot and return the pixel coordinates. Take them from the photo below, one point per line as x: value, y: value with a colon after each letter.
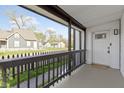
x: 20, y: 35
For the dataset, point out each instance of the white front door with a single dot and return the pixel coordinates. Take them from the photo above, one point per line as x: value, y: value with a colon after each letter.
x: 101, y: 48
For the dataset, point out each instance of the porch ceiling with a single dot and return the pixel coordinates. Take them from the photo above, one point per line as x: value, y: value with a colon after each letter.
x: 91, y: 15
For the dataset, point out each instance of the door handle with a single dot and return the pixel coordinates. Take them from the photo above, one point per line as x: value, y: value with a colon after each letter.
x: 108, y: 52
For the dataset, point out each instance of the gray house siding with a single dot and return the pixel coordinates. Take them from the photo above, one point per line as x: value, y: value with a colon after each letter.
x: 22, y: 42
x: 32, y: 44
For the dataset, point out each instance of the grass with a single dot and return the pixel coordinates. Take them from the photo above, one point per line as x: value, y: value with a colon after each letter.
x: 15, y: 52
x: 24, y: 76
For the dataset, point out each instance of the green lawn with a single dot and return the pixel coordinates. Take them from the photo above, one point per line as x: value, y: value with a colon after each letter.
x: 10, y: 53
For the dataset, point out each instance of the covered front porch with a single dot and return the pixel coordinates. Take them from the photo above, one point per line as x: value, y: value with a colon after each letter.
x: 94, y: 57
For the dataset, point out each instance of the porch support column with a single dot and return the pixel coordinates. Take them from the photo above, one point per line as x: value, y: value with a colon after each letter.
x: 74, y: 39
x: 69, y: 45
x: 80, y: 45
x: 84, y: 46
x: 69, y: 36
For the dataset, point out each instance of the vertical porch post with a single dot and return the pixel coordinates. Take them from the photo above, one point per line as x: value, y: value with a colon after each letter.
x: 80, y: 47
x: 84, y: 46
x: 69, y: 45
x: 69, y: 36
x: 74, y: 39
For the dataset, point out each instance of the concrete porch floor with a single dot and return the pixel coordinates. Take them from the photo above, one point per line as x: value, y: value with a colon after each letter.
x: 89, y: 76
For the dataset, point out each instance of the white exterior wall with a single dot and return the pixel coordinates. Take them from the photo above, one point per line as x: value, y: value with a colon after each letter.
x: 114, y: 40
x: 122, y: 44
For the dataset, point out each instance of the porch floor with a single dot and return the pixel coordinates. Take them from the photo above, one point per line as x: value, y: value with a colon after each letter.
x: 90, y: 76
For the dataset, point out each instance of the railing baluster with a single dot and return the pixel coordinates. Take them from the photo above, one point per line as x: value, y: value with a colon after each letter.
x: 69, y: 64
x: 41, y: 63
x: 57, y: 67
x: 28, y: 84
x: 32, y: 64
x: 53, y: 68
x: 25, y: 64
x: 25, y: 67
x: 21, y: 65
x: 13, y: 69
x: 36, y: 74
x: 43, y: 73
x: 18, y: 77
x: 48, y: 63
x: 8, y: 70
x: 80, y: 57
x: 4, y: 77
x: 3, y: 57
x: 64, y: 65
x: 74, y: 60
x: 60, y: 66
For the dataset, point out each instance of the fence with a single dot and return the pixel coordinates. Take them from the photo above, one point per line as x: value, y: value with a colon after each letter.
x: 40, y: 70
x: 28, y: 54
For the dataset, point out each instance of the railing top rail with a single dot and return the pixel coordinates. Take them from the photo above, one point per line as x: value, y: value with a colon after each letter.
x: 18, y: 61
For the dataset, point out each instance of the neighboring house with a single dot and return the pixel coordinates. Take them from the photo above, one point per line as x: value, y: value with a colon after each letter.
x: 18, y: 39
x: 61, y: 45
x: 47, y: 45
x: 54, y: 45
x: 39, y: 44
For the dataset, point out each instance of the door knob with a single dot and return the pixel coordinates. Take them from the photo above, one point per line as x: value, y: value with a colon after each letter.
x: 108, y: 52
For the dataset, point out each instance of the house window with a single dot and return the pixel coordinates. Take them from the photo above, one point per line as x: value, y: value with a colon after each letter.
x: 16, y: 35
x: 28, y: 43
x: 16, y: 43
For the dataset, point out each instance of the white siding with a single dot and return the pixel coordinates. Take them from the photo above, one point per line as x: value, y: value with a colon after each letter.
x: 122, y: 44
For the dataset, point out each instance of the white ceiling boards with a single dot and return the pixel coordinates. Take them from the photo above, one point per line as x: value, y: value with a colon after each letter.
x: 91, y: 15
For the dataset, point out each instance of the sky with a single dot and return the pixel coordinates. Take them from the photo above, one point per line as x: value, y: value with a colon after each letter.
x: 42, y: 23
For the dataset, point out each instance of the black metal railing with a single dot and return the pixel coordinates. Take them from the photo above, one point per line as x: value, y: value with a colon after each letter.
x: 41, y: 70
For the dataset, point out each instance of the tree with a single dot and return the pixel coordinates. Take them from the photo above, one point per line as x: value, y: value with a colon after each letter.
x: 20, y: 21
x: 13, y: 19
x: 40, y: 36
x: 62, y: 39
x: 51, y: 36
